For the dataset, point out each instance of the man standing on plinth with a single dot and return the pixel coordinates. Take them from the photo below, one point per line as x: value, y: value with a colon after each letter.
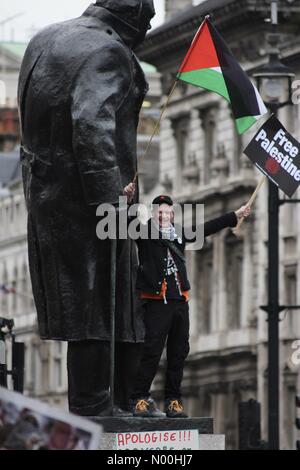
x: 80, y: 92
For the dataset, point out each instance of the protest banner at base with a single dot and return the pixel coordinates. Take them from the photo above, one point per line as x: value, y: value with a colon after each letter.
x: 28, y: 424
x: 159, y: 440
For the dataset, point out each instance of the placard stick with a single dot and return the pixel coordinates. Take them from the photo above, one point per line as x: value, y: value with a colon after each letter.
x: 250, y: 202
x: 157, y: 125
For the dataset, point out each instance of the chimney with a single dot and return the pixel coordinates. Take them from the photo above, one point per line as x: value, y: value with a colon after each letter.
x: 175, y: 6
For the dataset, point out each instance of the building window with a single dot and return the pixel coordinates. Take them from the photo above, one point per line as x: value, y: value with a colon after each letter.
x: 234, y: 276
x: 290, y: 284
x: 4, y: 295
x: 237, y: 149
x: 291, y: 118
x: 58, y: 365
x: 181, y: 133
x: 24, y: 289
x: 290, y: 414
x: 31, y: 382
x: 44, y: 352
x: 290, y: 216
x: 209, y: 125
x: 14, y: 294
x: 205, y: 403
x: 204, y: 284
x: 147, y: 125
x: 2, y: 93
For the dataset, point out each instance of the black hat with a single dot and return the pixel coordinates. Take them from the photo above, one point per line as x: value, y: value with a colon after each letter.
x: 135, y: 12
x: 162, y: 200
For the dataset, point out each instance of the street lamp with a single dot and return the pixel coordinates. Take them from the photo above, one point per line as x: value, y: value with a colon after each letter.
x: 274, y: 82
x: 274, y: 79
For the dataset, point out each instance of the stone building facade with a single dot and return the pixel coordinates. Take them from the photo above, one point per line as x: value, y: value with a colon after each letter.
x: 11, y: 54
x: 10, y: 61
x: 201, y: 161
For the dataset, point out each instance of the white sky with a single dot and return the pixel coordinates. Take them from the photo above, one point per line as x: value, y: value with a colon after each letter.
x: 39, y: 13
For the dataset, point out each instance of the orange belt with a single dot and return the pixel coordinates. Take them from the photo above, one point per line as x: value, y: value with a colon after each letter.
x: 162, y: 294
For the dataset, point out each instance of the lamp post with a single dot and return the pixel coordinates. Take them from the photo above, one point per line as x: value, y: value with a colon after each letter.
x: 274, y: 80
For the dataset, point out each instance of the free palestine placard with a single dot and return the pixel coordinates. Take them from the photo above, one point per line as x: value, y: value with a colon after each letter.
x: 276, y: 153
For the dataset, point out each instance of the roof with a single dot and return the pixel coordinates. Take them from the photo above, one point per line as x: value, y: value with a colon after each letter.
x: 173, y: 37
x: 222, y: 8
x: 10, y: 167
x: 16, y: 48
x: 148, y: 68
x: 189, y: 13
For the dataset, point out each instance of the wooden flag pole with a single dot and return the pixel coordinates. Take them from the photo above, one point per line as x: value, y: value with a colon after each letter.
x: 250, y: 202
x: 157, y: 124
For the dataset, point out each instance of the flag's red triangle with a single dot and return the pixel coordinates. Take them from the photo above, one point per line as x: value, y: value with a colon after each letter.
x: 202, y: 53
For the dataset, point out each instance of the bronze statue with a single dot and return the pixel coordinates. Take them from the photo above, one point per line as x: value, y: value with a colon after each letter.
x: 80, y: 93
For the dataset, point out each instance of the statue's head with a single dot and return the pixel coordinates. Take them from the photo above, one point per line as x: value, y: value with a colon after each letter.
x: 136, y: 13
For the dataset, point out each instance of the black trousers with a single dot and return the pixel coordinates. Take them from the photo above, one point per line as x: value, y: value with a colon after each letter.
x: 164, y: 322
x: 88, y: 364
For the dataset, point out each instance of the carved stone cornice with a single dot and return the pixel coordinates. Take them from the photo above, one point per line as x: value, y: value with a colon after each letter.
x: 225, y: 387
x: 229, y: 16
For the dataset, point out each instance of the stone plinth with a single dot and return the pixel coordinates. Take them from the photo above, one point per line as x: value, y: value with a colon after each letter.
x: 116, y: 425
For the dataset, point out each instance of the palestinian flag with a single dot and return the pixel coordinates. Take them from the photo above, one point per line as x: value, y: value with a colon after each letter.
x: 210, y: 64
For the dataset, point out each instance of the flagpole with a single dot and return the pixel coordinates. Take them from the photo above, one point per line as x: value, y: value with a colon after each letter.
x: 250, y: 202
x: 157, y: 124
x: 173, y: 88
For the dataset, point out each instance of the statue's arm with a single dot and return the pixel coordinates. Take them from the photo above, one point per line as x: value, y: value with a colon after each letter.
x: 102, y: 84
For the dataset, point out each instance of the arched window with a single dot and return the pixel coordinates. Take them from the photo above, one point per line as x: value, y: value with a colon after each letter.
x: 14, y: 295
x: 290, y: 286
x: 208, y: 118
x: 58, y: 365
x: 237, y: 148
x: 234, y: 277
x: 181, y: 134
x: 204, y: 289
x: 24, y: 288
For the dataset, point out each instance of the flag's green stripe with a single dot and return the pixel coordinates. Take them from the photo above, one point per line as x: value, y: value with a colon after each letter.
x: 214, y: 81
x: 244, y: 123
x: 208, y: 79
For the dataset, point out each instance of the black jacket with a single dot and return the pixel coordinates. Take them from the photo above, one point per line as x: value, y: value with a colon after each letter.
x: 153, y: 255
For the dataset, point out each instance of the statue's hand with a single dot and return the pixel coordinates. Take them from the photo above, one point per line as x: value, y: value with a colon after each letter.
x: 129, y: 191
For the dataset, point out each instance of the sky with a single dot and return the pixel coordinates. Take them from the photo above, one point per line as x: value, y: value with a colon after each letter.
x: 39, y: 13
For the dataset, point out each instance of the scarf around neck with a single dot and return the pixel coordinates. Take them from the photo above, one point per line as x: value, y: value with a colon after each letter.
x: 168, y: 233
